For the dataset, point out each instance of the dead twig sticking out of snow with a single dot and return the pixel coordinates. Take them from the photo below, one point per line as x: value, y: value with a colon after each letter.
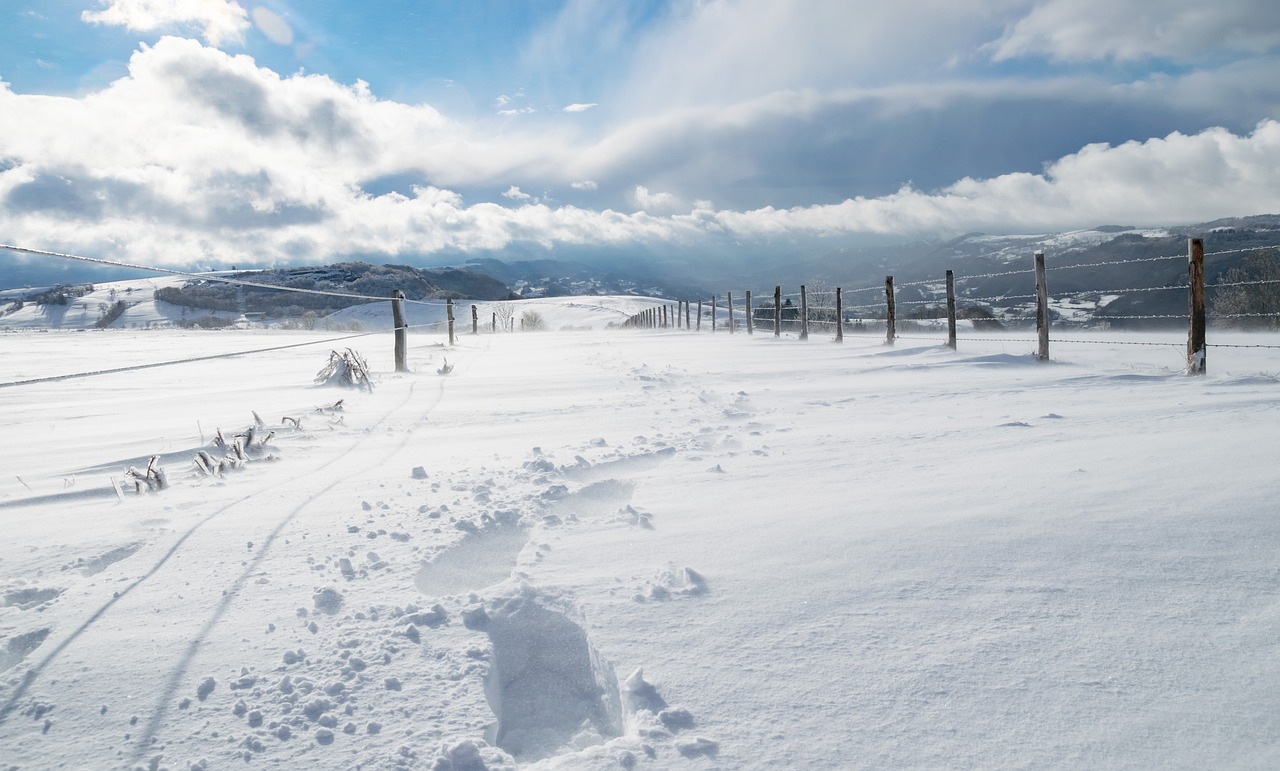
x: 257, y: 420
x: 446, y: 369
x: 296, y: 422
x: 347, y: 369
x: 218, y: 441
x: 206, y: 463
x: 154, y: 477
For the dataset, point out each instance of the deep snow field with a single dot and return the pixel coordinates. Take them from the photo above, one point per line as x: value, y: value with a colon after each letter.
x: 649, y: 549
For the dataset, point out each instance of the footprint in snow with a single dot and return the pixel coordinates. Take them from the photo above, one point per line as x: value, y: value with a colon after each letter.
x: 18, y: 647
x: 26, y: 599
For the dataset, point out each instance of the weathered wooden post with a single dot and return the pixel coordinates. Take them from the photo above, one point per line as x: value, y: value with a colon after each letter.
x: 750, y: 321
x: 449, y: 308
x: 475, y: 320
x: 402, y: 333
x: 777, y: 311
x: 494, y: 328
x: 951, y: 310
x: 699, y: 316
x: 715, y: 309
x: 729, y: 302
x: 839, y: 317
x: 1196, y: 333
x: 804, y: 314
x: 891, y: 321
x: 1042, y: 308
x: 686, y: 314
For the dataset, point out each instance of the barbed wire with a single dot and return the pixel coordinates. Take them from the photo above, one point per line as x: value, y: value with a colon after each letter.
x: 211, y: 277
x: 1255, y: 282
x: 1147, y: 316
x: 173, y: 362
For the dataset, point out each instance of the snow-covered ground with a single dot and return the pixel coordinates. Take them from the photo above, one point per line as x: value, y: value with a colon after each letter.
x: 650, y: 549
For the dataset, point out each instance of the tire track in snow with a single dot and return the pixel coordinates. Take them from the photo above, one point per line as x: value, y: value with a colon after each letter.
x: 33, y: 674
x: 229, y: 595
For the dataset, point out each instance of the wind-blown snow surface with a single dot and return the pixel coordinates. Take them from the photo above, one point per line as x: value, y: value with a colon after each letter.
x: 641, y: 549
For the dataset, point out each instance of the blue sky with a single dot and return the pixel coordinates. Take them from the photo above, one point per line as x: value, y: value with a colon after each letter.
x: 214, y: 132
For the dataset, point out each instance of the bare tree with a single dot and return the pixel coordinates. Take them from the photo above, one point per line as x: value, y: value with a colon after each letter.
x: 532, y: 321
x: 505, y: 312
x: 1252, y: 303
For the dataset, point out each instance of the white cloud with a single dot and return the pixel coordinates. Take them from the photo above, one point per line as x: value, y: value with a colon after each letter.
x: 1127, y: 30
x: 1179, y: 179
x: 219, y: 19
x: 654, y: 202
x: 713, y: 53
x: 584, y: 184
x: 516, y: 194
x: 579, y: 107
x: 517, y: 111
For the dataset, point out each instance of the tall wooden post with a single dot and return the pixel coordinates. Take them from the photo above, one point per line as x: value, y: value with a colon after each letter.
x: 729, y: 302
x: 402, y: 333
x: 1195, y: 336
x: 839, y: 317
x: 449, y: 308
x: 804, y: 314
x: 699, y: 316
x: 1042, y: 308
x: 750, y: 321
x: 686, y: 315
x: 891, y: 321
x: 951, y: 310
x: 715, y: 309
x: 777, y: 311
x: 494, y: 327
x: 475, y: 320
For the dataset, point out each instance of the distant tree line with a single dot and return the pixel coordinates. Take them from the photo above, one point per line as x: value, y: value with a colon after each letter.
x: 60, y: 294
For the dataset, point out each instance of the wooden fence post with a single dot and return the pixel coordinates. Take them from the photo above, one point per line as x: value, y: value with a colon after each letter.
x: 449, y: 308
x: 804, y: 314
x: 951, y: 310
x: 729, y: 302
x: 750, y: 321
x: 475, y: 320
x: 494, y: 328
x: 402, y: 333
x: 1042, y: 308
x: 891, y: 320
x: 715, y: 309
x: 699, y: 316
x: 1196, y: 333
x: 839, y: 317
x: 777, y: 311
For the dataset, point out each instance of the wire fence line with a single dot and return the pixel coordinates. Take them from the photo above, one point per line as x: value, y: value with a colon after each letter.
x: 823, y: 307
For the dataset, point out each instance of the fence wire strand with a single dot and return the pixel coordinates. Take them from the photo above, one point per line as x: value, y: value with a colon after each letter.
x: 173, y: 362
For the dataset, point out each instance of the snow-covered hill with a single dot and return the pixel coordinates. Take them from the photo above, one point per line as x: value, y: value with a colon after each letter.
x: 638, y: 549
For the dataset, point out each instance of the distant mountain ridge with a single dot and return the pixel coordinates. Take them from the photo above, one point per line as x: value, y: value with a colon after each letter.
x: 1122, y: 276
